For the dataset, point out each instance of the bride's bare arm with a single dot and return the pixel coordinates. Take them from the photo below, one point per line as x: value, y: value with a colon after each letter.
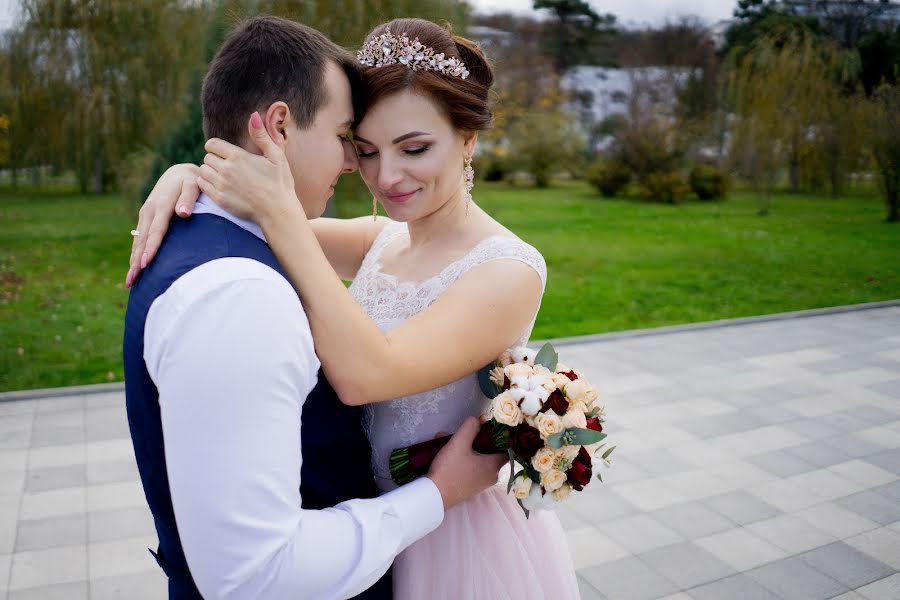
x: 481, y: 315
x: 344, y: 241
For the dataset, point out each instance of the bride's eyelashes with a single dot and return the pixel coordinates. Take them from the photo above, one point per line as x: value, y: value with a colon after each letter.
x: 416, y: 151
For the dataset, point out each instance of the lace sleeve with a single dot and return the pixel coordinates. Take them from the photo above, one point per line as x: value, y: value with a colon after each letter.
x: 498, y: 248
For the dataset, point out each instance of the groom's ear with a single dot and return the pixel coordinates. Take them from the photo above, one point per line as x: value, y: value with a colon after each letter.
x: 276, y: 119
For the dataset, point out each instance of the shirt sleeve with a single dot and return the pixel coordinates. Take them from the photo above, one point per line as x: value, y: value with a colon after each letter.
x: 230, y: 350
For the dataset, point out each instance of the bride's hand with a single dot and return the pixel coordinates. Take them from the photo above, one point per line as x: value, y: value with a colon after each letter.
x: 250, y: 186
x: 175, y: 193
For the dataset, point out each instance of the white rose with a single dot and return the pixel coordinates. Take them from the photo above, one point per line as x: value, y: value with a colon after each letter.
x: 521, y: 489
x: 543, y: 460
x: 553, y: 479
x: 505, y: 410
x: 559, y: 381
x: 574, y: 418
x: 548, y: 423
x: 562, y: 493
x: 579, y: 406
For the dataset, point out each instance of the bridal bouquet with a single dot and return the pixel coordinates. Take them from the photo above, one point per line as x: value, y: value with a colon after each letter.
x: 543, y: 414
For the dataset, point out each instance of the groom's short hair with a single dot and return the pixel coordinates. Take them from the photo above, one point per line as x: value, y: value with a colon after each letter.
x: 267, y: 59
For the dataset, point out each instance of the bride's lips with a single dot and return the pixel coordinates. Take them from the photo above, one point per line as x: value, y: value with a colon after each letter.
x: 400, y: 198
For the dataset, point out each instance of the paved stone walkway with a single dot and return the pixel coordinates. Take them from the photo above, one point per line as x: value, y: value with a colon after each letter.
x: 755, y: 461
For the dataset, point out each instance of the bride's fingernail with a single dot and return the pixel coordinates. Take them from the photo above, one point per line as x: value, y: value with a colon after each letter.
x: 144, y: 258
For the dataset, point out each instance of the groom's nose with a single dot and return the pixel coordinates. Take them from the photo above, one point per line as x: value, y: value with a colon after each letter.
x: 351, y: 162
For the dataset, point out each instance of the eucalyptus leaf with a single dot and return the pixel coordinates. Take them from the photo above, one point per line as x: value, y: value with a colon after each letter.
x: 575, y: 437
x: 527, y: 512
x: 533, y: 475
x: 512, y: 470
x: 607, y: 453
x: 488, y: 387
x: 600, y: 477
x: 547, y: 356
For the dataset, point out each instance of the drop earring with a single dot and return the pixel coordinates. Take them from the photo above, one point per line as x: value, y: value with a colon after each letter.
x: 468, y: 182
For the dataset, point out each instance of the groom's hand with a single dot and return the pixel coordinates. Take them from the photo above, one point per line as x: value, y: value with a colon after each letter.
x: 459, y: 472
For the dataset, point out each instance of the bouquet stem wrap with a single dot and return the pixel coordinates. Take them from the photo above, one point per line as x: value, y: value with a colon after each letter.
x: 414, y: 461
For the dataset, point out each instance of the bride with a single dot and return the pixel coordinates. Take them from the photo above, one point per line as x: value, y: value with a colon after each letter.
x: 439, y: 290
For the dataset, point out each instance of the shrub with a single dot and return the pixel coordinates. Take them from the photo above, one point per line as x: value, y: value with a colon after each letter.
x: 709, y: 183
x: 490, y: 166
x: 667, y: 187
x: 608, y: 177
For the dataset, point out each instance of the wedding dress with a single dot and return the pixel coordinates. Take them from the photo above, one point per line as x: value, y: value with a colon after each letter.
x: 485, y: 548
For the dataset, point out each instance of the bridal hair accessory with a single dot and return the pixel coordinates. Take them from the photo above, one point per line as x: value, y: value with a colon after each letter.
x: 546, y: 416
x: 388, y: 49
x: 469, y: 181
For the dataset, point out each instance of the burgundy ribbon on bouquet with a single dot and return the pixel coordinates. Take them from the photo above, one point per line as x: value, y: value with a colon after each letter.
x: 414, y: 461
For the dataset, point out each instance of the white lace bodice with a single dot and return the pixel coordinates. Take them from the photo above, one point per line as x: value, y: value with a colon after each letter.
x: 389, y: 302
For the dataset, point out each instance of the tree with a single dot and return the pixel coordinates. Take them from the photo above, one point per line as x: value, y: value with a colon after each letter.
x: 542, y: 143
x: 885, y: 141
x: 783, y: 90
x: 577, y: 30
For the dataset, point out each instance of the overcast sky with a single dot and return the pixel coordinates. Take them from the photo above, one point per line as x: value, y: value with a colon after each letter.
x: 633, y: 11
x: 627, y: 11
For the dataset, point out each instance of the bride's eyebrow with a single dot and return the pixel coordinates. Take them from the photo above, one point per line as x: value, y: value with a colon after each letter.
x: 402, y: 138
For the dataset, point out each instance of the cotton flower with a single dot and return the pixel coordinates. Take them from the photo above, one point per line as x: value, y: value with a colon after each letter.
x: 523, y: 355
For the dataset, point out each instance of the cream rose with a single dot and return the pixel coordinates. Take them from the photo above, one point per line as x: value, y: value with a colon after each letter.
x: 548, y: 423
x: 567, y: 454
x: 543, y: 459
x: 559, y: 381
x: 521, y: 489
x: 562, y: 493
x: 497, y: 376
x: 574, y: 418
x: 580, y: 390
x: 553, y: 479
x: 505, y: 409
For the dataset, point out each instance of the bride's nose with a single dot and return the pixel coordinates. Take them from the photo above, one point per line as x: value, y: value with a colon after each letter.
x: 389, y: 174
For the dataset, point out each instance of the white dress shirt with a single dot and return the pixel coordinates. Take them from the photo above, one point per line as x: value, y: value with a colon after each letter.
x: 229, y: 347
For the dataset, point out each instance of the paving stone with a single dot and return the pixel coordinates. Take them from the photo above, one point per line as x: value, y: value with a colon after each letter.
x: 882, y: 544
x: 781, y: 463
x: 819, y: 454
x: 105, y: 525
x: 686, y: 564
x: 742, y: 507
x: 588, y: 592
x: 794, y: 579
x: 888, y: 460
x: 846, y: 564
x: 41, y: 534
x: 62, y: 591
x: 37, y: 568
x: 872, y: 506
x: 640, y: 533
x: 590, y: 547
x: 54, y: 478
x: 124, y: 556
x: 692, y: 520
x: 790, y: 533
x: 836, y: 521
x: 884, y: 589
x: 628, y: 579
x: 741, y: 549
x: 736, y: 586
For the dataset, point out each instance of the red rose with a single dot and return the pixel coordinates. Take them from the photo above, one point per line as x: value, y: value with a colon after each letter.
x: 595, y: 424
x: 570, y: 374
x: 579, y: 474
x: 525, y: 440
x: 557, y: 402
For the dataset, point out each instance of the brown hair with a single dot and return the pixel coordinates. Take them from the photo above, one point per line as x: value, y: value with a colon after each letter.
x: 464, y: 101
x: 267, y: 59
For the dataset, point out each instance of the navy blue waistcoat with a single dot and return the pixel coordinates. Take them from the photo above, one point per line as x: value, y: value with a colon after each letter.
x: 336, y: 459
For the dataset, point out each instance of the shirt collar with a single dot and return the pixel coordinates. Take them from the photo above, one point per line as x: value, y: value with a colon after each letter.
x: 207, y: 205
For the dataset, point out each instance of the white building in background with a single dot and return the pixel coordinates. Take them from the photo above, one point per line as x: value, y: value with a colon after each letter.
x: 612, y: 90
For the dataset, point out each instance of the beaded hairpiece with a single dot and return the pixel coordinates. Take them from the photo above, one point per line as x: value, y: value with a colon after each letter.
x: 388, y: 49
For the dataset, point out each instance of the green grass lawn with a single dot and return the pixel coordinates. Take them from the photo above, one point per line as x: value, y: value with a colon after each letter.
x: 613, y: 264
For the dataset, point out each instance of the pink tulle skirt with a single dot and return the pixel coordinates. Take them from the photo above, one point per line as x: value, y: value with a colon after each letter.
x: 486, y: 550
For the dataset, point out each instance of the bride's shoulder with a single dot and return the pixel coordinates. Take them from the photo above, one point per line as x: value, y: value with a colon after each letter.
x: 503, y: 244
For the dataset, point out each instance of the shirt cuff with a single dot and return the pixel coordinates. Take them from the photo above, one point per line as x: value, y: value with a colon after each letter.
x: 419, y: 507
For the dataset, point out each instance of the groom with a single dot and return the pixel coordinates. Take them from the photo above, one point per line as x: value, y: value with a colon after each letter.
x: 249, y: 499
